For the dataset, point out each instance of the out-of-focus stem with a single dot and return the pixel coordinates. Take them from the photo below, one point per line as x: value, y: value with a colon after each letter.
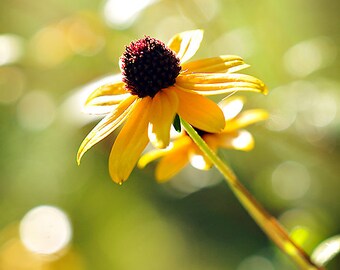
x: 267, y: 223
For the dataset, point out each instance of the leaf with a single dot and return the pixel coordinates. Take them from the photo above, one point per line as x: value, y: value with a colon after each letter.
x: 177, y: 124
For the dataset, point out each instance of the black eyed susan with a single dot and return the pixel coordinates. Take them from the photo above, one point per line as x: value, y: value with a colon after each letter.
x: 184, y: 150
x: 156, y: 83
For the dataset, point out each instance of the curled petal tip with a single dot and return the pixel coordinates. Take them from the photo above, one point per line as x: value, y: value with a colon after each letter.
x: 265, y: 90
x: 78, y: 159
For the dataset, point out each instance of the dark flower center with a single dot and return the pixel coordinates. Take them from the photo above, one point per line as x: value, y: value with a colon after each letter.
x: 149, y: 66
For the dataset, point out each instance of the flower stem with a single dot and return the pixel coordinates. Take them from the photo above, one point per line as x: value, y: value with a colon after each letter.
x: 267, y: 223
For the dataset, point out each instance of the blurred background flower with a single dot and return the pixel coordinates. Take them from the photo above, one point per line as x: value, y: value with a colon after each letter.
x: 50, y: 49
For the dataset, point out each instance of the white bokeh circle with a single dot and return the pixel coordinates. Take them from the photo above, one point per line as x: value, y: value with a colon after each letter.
x: 45, y: 230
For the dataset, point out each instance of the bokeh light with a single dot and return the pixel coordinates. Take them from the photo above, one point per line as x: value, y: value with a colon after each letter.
x: 326, y: 251
x: 256, y: 263
x: 45, y: 230
x: 238, y: 41
x: 311, y: 110
x: 36, y: 110
x: 11, y: 48
x: 191, y: 179
x: 308, y: 56
x: 121, y: 14
x: 49, y: 46
x: 290, y: 180
x: 12, y: 84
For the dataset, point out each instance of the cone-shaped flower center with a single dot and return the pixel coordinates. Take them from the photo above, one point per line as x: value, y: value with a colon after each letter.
x: 149, y: 66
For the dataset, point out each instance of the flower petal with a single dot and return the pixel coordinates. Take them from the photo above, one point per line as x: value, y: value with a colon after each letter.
x: 180, y: 142
x: 174, y: 161
x: 200, y: 111
x: 245, y: 118
x: 106, y: 100
x: 130, y: 142
x: 231, y: 106
x: 222, y: 63
x: 106, y: 126
x: 215, y: 78
x: 99, y: 110
x: 212, y: 140
x: 163, y: 110
x: 186, y: 44
x: 220, y: 83
x: 151, y: 156
x: 116, y: 90
x: 199, y: 161
x: 238, y: 140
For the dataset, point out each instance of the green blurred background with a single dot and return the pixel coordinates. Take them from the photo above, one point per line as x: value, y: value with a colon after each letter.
x: 51, y: 49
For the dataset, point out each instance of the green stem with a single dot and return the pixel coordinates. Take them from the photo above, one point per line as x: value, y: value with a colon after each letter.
x: 267, y: 223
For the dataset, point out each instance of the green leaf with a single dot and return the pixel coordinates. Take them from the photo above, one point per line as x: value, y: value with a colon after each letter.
x: 177, y: 123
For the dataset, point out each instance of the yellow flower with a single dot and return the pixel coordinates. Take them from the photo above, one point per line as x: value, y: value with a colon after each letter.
x: 157, y: 83
x: 183, y: 150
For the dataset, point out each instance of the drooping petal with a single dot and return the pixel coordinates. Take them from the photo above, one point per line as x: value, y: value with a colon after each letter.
x: 151, y: 156
x: 231, y: 106
x: 115, y: 92
x: 238, y: 140
x: 163, y: 110
x: 200, y: 111
x: 106, y: 100
x: 245, y: 118
x: 222, y: 63
x: 99, y: 110
x: 186, y: 44
x: 220, y: 83
x: 179, y: 143
x: 106, y: 126
x: 130, y: 142
x: 174, y: 161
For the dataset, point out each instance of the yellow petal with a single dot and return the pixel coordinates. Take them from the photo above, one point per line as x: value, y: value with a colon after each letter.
x: 231, y: 106
x: 157, y: 153
x: 222, y: 63
x: 186, y: 44
x: 151, y: 156
x: 114, y: 90
x: 211, y: 140
x: 130, y: 142
x: 199, y: 161
x: 212, y: 78
x: 100, y: 110
x: 106, y: 126
x: 106, y: 101
x: 174, y: 161
x: 245, y: 118
x: 238, y: 140
x: 163, y: 110
x: 220, y: 83
x: 200, y: 111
